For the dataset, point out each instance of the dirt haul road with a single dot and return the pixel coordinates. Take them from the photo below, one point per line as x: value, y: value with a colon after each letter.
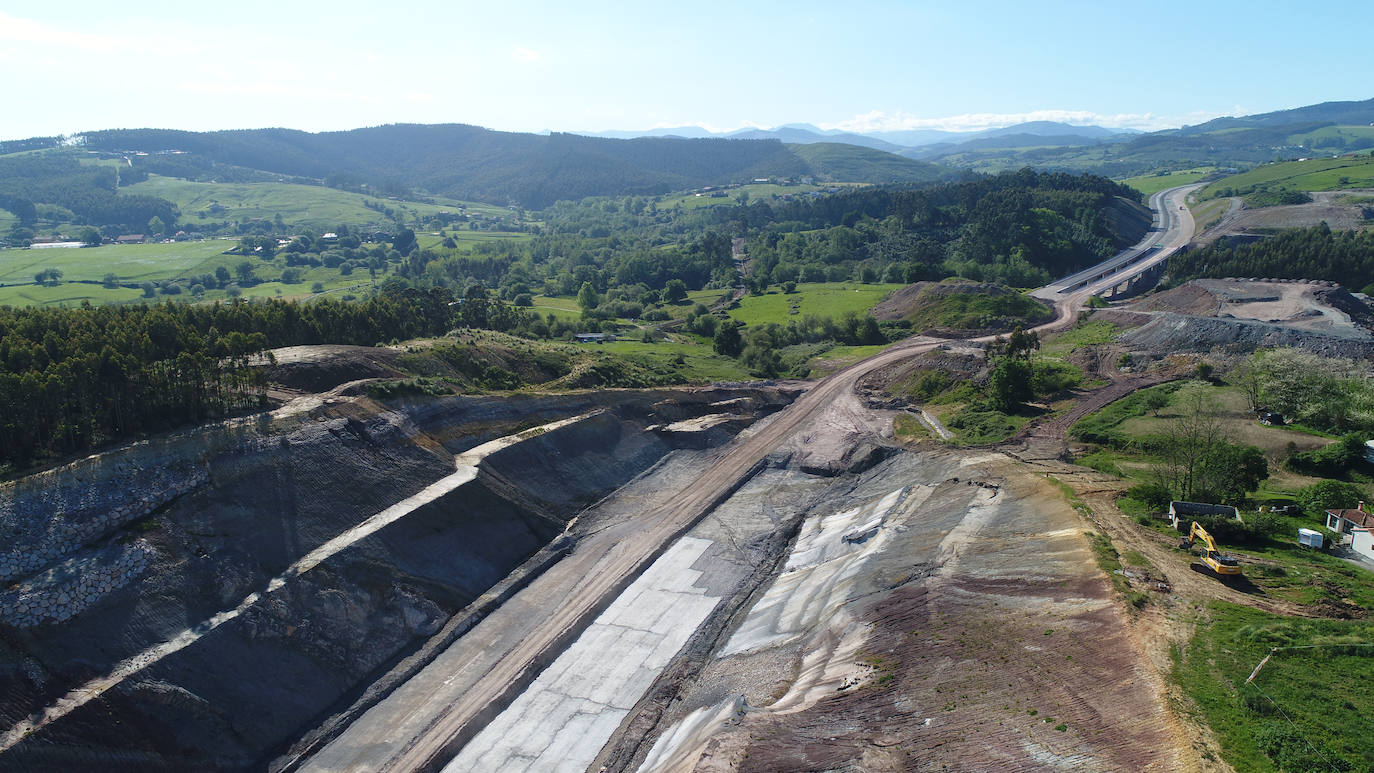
x: 426, y: 721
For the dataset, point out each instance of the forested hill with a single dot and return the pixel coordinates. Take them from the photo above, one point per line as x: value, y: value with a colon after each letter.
x: 1325, y: 129
x: 1325, y: 113
x: 469, y: 162
x: 1296, y: 253
x: 1021, y: 229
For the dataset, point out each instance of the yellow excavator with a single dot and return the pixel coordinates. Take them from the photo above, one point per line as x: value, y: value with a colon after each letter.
x: 1220, y: 563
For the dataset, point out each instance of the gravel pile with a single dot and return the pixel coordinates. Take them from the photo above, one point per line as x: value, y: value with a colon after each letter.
x: 1172, y: 333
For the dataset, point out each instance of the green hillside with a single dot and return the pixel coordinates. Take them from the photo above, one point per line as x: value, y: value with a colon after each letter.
x: 1150, y: 184
x: 851, y: 163
x: 1318, y: 174
x: 300, y: 206
x: 409, y: 162
x: 1335, y: 139
x: 1242, y: 142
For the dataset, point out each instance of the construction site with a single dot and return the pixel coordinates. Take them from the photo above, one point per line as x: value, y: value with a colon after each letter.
x: 753, y: 577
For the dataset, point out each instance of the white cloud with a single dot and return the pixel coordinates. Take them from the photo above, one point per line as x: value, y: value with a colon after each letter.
x: 264, y: 89
x: 526, y: 55
x: 880, y: 121
x: 19, y: 30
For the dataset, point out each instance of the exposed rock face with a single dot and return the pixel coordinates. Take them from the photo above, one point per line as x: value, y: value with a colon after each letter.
x: 54, y: 513
x: 130, y: 549
x: 69, y: 587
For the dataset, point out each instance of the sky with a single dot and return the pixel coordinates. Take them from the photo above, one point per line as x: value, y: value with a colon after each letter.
x: 591, y: 66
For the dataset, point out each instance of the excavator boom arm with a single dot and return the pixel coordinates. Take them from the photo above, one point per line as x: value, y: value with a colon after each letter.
x: 1214, y: 558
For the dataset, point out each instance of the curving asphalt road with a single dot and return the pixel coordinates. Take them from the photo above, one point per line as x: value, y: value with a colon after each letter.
x: 424, y: 722
x: 1173, y: 228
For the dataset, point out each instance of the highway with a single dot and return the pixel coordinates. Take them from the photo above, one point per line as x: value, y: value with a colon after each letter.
x: 1173, y: 228
x: 422, y: 724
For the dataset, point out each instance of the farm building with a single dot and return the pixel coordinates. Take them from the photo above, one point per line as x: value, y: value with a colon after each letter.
x: 594, y: 338
x: 131, y: 239
x: 1185, y: 512
x: 1343, y: 521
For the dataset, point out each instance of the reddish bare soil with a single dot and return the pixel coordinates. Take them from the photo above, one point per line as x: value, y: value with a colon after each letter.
x: 1021, y: 660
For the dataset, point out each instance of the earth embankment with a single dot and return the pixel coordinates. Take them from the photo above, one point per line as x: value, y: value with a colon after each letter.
x: 239, y: 634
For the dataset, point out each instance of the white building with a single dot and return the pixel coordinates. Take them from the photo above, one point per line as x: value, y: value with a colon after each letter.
x: 1355, y: 523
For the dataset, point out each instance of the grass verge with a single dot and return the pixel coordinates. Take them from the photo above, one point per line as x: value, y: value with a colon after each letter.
x: 1307, y: 710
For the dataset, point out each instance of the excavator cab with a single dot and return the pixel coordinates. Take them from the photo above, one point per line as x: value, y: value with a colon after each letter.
x: 1223, y: 565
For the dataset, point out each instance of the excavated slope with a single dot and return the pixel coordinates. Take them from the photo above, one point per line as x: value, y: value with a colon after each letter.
x: 183, y: 583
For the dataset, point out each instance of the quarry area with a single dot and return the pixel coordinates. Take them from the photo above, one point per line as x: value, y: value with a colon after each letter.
x: 1339, y: 209
x: 1237, y: 316
x: 337, y: 574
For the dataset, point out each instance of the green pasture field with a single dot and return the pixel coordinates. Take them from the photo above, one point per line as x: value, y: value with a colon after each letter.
x: 565, y: 306
x: 67, y: 293
x: 824, y: 299
x: 1318, y: 174
x: 838, y: 357
x: 1128, y: 419
x: 466, y: 238
x: 700, y: 364
x: 757, y: 192
x: 1362, y: 133
x: 85, y: 267
x: 309, y: 206
x: 1150, y: 184
x: 1090, y: 333
x: 706, y: 297
x: 8, y: 220
x: 1208, y: 212
x: 334, y: 286
x: 1286, y: 719
x: 561, y: 307
x: 129, y: 262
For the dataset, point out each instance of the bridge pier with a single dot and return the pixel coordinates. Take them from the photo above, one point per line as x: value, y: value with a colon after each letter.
x: 1138, y: 283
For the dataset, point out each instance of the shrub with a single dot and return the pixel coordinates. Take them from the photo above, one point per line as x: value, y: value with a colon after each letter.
x: 1051, y: 377
x: 1329, y: 461
x: 1156, y: 495
x: 929, y: 384
x: 983, y: 426
x: 497, y: 377
x: 1290, y: 749
x: 1328, y: 494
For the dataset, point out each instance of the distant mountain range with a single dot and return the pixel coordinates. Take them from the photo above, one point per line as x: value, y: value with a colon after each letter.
x: 463, y: 162
x: 1329, y: 128
x: 537, y: 170
x: 1326, y: 128
x: 912, y: 143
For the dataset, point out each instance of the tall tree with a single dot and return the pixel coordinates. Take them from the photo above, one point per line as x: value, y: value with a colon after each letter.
x: 587, y: 297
